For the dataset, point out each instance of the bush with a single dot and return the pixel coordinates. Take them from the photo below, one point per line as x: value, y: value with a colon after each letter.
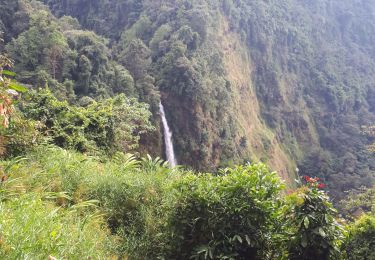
x: 231, y: 216
x: 361, y: 240
x: 314, y: 232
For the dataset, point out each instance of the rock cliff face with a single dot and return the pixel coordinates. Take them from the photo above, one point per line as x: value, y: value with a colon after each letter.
x: 290, y: 83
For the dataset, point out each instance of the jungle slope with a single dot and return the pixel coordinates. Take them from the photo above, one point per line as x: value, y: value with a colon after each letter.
x: 289, y: 83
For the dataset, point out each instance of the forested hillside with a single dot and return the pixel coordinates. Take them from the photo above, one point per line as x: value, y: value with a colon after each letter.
x: 90, y: 88
x: 290, y: 83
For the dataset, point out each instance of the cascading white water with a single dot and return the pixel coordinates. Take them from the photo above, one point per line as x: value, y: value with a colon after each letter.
x: 169, y: 151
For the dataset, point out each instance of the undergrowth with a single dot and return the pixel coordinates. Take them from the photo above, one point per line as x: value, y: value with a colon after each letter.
x: 69, y: 205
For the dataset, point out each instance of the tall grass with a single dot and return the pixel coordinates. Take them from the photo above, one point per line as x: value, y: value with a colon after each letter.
x: 51, y: 185
x: 33, y: 227
x: 42, y: 215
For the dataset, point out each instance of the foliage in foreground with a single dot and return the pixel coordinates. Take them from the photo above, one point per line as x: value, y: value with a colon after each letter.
x: 144, y: 210
x: 37, y: 219
x: 361, y: 239
x: 34, y: 227
x: 233, y: 215
x: 315, y: 234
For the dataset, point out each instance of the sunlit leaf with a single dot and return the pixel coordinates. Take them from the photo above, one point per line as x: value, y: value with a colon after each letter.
x: 8, y: 73
x: 306, y: 222
x: 322, y: 233
x: 17, y: 87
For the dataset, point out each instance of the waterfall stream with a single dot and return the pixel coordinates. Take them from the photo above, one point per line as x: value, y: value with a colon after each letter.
x: 169, y: 151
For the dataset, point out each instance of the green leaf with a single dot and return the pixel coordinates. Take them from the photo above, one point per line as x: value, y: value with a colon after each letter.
x: 322, y: 233
x: 306, y: 222
x: 8, y: 73
x: 210, y: 254
x: 202, y: 249
x: 327, y: 218
x: 304, y: 242
x: 17, y: 87
x: 248, y: 240
x: 238, y: 238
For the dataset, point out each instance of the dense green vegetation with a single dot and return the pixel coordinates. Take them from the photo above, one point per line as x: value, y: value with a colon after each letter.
x: 289, y: 83
x: 312, y: 86
x: 141, y: 209
x: 361, y: 238
x: 111, y: 125
x: 318, y: 234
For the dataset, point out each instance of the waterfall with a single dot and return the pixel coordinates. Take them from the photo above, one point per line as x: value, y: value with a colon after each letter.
x: 169, y: 151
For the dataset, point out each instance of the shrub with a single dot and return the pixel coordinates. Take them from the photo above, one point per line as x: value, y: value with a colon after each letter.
x: 361, y: 239
x: 231, y: 216
x: 314, y: 233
